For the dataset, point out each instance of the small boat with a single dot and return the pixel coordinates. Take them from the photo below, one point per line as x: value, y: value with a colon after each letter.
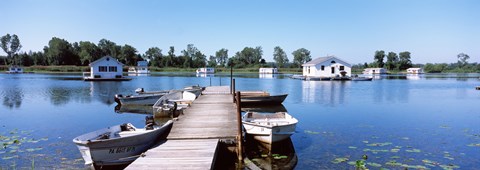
x: 269, y: 127
x: 172, y: 104
x: 138, y: 109
x: 362, y: 79
x: 262, y: 98
x: 120, y: 144
x: 197, y: 90
x: 205, y: 70
x: 140, y: 99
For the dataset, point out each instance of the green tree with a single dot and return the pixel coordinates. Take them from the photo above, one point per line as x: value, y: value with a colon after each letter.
x: 60, y: 52
x: 171, y: 59
x: 212, y: 61
x: 392, y: 60
x: 129, y: 55
x: 108, y: 47
x: 280, y: 57
x: 247, y: 57
x: 404, y: 60
x: 462, y: 59
x: 154, y: 54
x: 89, y: 52
x: 39, y: 58
x: 378, y: 58
x: 221, y: 56
x: 11, y: 45
x: 301, y: 56
x: 193, y: 57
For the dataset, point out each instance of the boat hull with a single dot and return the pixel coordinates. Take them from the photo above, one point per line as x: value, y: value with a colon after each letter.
x: 270, y: 134
x: 144, y: 99
x: 121, y: 150
x: 275, y: 99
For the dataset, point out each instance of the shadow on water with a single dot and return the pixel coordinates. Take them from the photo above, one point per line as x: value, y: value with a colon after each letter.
x: 135, y: 109
x: 264, y: 108
x: 279, y: 155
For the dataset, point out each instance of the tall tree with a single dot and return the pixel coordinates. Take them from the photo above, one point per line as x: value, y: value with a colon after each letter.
x: 248, y: 56
x: 60, y: 52
x: 221, y: 56
x: 280, y: 56
x: 11, y: 45
x: 378, y: 58
x: 89, y: 52
x: 194, y: 58
x: 171, y: 59
x: 462, y: 59
x: 392, y: 60
x: 212, y: 61
x: 129, y: 55
x: 404, y: 60
x: 301, y: 56
x: 154, y: 54
x: 109, y: 48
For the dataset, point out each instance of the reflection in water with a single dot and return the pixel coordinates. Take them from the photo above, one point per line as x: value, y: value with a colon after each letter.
x: 266, y: 76
x: 279, y: 155
x: 265, y: 108
x: 330, y: 93
x: 105, y: 90
x: 205, y: 75
x: 137, y: 109
x: 59, y: 95
x: 13, y: 98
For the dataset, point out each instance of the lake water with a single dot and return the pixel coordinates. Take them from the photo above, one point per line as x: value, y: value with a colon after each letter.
x: 428, y: 121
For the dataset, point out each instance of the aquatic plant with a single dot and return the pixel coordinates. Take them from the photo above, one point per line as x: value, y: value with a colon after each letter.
x: 339, y: 160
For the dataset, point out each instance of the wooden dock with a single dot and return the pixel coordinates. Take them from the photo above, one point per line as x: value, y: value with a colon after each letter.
x: 193, y: 140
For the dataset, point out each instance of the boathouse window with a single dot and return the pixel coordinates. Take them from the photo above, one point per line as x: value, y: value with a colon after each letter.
x: 102, y: 68
x: 112, y: 69
x: 322, y: 68
x: 342, y: 68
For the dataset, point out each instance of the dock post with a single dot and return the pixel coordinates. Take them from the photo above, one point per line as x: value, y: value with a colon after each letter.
x: 233, y: 86
x: 239, y: 127
x: 210, y: 81
x: 231, y: 80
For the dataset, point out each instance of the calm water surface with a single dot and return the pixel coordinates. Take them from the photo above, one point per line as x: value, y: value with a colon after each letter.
x: 431, y: 121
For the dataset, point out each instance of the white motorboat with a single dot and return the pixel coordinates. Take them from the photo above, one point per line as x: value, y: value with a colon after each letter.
x: 269, y: 127
x: 139, y: 99
x: 205, y: 70
x: 173, y: 103
x: 120, y: 144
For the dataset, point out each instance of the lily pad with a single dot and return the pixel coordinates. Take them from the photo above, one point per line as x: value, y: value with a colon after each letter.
x: 394, y: 150
x: 311, y: 132
x: 374, y: 164
x: 413, y: 150
x: 449, y: 167
x: 474, y: 145
x: 379, y: 144
x: 393, y: 163
x: 352, y: 147
x: 339, y: 160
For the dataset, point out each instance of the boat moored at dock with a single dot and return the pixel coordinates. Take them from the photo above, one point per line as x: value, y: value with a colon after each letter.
x: 269, y: 127
x: 120, y: 144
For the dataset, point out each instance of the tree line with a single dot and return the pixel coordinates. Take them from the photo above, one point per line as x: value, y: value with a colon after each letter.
x: 61, y: 52
x: 402, y: 61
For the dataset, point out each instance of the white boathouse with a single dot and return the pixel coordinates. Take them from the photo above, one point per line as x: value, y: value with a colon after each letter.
x: 374, y: 71
x: 105, y: 68
x: 415, y: 71
x: 141, y: 68
x: 326, y: 67
x: 268, y: 70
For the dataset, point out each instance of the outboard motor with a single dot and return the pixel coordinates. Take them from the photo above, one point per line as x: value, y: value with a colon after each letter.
x: 116, y: 98
x: 139, y: 90
x: 149, y: 122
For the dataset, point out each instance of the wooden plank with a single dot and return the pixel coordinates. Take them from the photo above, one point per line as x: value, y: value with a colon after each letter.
x: 179, y: 154
x: 193, y: 140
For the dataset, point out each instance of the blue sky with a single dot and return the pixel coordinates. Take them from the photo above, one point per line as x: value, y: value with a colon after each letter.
x: 433, y: 31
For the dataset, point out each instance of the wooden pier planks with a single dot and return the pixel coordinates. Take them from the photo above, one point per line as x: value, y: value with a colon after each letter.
x: 193, y: 140
x: 179, y: 154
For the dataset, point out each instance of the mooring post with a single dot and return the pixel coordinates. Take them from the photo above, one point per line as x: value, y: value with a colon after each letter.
x: 210, y: 81
x: 233, y: 86
x: 231, y: 80
x: 220, y: 80
x: 239, y: 127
